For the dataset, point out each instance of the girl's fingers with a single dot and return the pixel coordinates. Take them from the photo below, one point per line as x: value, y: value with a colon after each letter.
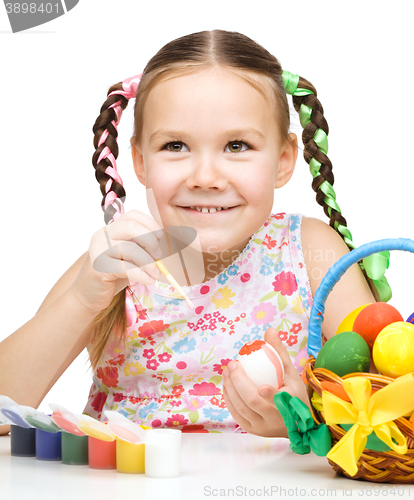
x: 146, y: 221
x: 292, y: 383
x: 134, y: 255
x: 122, y: 269
x: 131, y: 226
x: 244, y: 424
x: 123, y: 257
x: 140, y: 276
x: 243, y: 393
x: 130, y: 230
x: 267, y: 392
x: 272, y: 337
x: 237, y: 402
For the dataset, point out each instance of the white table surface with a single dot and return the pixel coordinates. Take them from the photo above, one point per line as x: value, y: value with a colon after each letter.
x: 212, y: 466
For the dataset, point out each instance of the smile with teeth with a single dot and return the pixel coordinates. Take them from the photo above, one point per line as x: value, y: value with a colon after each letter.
x: 206, y: 210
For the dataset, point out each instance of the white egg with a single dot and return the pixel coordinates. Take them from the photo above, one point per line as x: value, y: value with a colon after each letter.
x: 262, y: 363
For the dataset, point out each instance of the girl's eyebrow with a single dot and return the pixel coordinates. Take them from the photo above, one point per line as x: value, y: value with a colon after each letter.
x: 238, y: 133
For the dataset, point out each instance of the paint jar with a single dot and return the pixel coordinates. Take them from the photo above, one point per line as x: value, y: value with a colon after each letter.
x: 48, y: 445
x: 102, y: 454
x: 130, y: 458
x: 163, y: 453
x: 22, y: 441
x: 74, y: 449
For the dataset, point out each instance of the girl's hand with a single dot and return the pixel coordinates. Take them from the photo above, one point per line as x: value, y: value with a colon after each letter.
x: 254, y: 408
x: 118, y: 254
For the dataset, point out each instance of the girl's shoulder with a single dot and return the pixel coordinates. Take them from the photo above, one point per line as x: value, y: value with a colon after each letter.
x: 322, y: 246
x: 318, y: 235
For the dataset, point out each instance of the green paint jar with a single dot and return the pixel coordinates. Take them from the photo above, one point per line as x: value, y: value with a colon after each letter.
x: 74, y: 449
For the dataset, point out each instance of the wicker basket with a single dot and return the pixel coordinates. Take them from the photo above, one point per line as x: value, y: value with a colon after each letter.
x: 389, y: 466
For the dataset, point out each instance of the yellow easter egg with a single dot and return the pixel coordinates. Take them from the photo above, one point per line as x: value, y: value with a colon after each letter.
x: 348, y: 322
x: 393, y: 351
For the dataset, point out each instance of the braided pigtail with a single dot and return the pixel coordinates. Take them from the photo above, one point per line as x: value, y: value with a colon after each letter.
x: 315, y: 140
x: 104, y: 158
x: 117, y: 316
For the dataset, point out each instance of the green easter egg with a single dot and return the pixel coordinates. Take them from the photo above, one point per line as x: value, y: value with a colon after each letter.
x: 344, y: 353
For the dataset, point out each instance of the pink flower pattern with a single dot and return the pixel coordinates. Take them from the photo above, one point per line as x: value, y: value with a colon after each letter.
x: 204, y: 389
x: 285, y: 283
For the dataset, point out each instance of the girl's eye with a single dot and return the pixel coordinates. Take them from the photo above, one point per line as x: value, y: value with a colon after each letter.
x: 176, y: 147
x: 237, y: 146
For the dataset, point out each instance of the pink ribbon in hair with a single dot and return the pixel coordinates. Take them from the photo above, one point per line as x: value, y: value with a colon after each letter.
x: 130, y: 86
x: 110, y: 197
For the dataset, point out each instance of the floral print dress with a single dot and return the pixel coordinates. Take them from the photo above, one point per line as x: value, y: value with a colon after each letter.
x: 171, y: 372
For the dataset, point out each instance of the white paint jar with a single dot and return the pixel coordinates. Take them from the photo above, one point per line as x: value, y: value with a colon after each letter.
x: 162, y: 452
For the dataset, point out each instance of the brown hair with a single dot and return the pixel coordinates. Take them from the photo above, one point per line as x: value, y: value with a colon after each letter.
x: 245, y: 58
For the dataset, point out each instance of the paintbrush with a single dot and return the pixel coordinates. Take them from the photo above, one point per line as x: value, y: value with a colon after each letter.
x: 174, y: 283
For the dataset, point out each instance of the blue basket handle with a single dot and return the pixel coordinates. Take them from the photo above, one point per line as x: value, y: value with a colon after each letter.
x: 332, y: 277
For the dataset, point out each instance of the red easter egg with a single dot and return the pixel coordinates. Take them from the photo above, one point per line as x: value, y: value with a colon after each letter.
x: 373, y: 318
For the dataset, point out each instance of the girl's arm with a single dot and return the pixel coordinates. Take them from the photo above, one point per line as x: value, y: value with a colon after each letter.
x: 35, y: 356
x: 254, y: 409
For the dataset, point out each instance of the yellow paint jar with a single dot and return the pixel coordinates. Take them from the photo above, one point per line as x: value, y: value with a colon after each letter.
x: 130, y: 458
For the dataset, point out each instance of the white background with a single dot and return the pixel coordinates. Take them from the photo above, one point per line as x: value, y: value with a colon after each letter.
x: 54, y: 79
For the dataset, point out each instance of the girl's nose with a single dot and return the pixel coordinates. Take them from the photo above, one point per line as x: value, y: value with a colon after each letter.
x: 206, y: 173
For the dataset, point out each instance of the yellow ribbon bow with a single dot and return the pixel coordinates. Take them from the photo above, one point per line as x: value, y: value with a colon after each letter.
x: 368, y: 413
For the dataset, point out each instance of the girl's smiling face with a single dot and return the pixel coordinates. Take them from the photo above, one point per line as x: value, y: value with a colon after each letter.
x: 210, y: 139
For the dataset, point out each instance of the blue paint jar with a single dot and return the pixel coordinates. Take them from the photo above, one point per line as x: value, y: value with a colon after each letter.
x: 48, y: 445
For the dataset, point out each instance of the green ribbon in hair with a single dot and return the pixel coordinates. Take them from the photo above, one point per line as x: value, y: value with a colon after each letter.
x: 291, y: 81
x: 304, y: 114
x: 304, y: 434
x: 321, y: 140
x: 375, y: 266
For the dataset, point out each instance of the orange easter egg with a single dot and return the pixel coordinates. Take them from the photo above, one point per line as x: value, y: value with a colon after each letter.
x: 373, y: 318
x: 348, y: 322
x: 336, y: 389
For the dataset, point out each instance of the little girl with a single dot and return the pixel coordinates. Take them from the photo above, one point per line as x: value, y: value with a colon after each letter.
x: 211, y: 143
